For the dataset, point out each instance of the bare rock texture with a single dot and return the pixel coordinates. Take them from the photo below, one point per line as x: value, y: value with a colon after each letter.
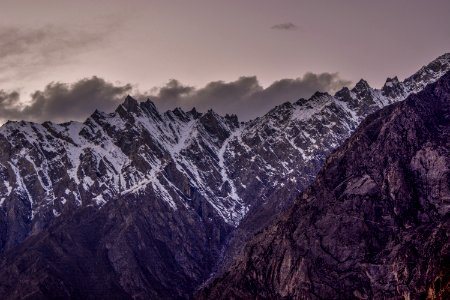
x: 157, y: 203
x: 374, y: 225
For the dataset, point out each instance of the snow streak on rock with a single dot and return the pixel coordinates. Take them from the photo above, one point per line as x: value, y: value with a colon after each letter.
x: 179, y: 156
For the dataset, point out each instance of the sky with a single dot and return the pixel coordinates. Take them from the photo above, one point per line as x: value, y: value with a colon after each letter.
x: 60, y: 60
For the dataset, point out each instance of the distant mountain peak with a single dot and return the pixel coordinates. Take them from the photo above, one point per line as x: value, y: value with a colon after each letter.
x: 300, y: 101
x: 149, y: 102
x: 195, y: 114
x: 444, y: 57
x: 392, y: 88
x: 318, y: 95
x: 361, y: 85
x: 393, y: 80
x: 343, y: 93
x: 131, y: 104
x: 150, y: 108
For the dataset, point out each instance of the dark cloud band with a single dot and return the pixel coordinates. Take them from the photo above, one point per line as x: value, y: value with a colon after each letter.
x: 245, y: 97
x: 61, y: 102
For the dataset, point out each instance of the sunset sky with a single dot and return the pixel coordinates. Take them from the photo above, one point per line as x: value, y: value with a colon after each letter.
x: 88, y: 54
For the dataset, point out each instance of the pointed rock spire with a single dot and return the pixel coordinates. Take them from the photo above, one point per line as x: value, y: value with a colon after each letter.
x: 232, y: 120
x: 214, y: 125
x: 392, y: 88
x: 319, y: 95
x: 150, y: 105
x: 392, y: 81
x: 362, y: 90
x: 131, y: 104
x: 180, y: 114
x: 362, y: 85
x: 344, y: 94
x: 195, y: 114
x: 300, y: 101
x: 128, y: 108
x: 150, y: 109
x: 97, y: 116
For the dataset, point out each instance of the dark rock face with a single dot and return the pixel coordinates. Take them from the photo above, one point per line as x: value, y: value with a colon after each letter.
x: 197, y: 178
x: 374, y: 225
x: 292, y: 141
x: 132, y: 248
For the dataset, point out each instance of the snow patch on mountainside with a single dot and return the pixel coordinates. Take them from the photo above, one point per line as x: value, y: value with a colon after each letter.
x: 175, y: 153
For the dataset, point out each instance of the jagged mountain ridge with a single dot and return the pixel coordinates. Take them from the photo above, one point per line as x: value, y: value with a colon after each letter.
x: 212, y: 171
x: 293, y: 140
x: 374, y: 225
x: 176, y: 132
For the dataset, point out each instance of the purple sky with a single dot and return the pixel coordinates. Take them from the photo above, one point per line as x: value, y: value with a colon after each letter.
x: 147, y: 43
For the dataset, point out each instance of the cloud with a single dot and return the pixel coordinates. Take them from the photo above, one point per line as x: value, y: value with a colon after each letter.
x: 9, y: 104
x: 61, y: 102
x: 174, y: 90
x: 285, y: 26
x: 28, y: 51
x: 245, y: 96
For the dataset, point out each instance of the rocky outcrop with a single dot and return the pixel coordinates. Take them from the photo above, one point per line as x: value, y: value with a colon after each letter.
x: 374, y: 225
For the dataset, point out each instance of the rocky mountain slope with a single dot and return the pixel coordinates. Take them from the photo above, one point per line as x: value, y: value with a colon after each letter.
x: 291, y: 143
x: 188, y: 185
x: 374, y: 225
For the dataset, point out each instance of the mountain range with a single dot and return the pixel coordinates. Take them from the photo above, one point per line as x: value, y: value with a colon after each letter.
x: 142, y: 204
x: 375, y: 223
